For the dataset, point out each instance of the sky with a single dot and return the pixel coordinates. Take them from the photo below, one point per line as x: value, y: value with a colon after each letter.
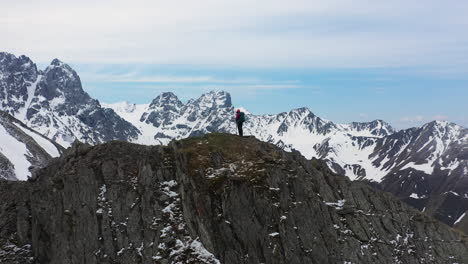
x: 405, y: 62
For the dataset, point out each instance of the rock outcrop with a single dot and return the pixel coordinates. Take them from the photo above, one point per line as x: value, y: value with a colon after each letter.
x: 212, y: 199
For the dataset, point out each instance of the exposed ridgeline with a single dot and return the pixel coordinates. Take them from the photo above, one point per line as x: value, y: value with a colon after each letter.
x: 211, y: 199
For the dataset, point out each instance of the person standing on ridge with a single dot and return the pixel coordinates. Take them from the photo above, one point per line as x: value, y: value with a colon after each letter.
x: 240, y: 118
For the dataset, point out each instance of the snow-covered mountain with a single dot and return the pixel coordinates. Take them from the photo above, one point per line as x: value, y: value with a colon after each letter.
x: 167, y: 118
x: 428, y: 168
x: 53, y: 103
x: 416, y: 164
x: 22, y: 149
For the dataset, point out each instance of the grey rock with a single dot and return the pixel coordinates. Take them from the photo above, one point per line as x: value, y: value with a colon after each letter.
x: 229, y: 199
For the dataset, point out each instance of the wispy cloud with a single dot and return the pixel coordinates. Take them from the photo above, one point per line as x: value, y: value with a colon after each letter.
x: 210, y: 87
x: 440, y: 117
x: 137, y: 78
x: 380, y: 90
x: 421, y: 118
x: 267, y: 33
x: 413, y: 119
x: 363, y: 116
x: 142, y: 77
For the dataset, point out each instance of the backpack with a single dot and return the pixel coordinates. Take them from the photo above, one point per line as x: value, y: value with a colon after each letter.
x: 242, y: 117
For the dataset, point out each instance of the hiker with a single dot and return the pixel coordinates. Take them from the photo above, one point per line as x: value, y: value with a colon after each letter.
x: 240, y: 118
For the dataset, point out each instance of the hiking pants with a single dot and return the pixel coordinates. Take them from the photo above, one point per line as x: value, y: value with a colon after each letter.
x: 239, y: 127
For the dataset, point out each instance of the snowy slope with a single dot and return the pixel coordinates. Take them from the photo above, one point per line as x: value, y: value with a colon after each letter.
x: 22, y: 149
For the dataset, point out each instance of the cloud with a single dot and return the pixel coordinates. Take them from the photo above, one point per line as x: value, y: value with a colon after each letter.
x: 363, y: 116
x: 144, y: 74
x: 440, y: 117
x: 413, y: 119
x: 134, y: 77
x: 267, y: 33
x: 210, y: 87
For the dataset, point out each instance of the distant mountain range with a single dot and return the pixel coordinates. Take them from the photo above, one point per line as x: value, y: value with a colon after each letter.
x: 426, y: 166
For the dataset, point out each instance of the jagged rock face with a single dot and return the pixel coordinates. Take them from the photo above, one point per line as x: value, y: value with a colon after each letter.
x: 163, y: 110
x: 167, y: 118
x: 54, y: 103
x: 375, y: 128
x: 22, y: 149
x: 213, y: 199
x: 303, y: 117
x: 212, y: 112
x: 16, y: 76
x: 428, y: 168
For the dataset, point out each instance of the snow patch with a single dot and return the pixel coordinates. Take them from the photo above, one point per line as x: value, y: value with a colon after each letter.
x: 427, y: 168
x: 31, y: 91
x: 460, y: 218
x: 338, y: 205
x: 41, y: 141
x: 202, y: 253
x: 416, y: 196
x: 17, y: 153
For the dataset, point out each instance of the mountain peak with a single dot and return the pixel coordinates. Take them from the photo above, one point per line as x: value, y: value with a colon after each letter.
x: 375, y: 128
x: 121, y: 107
x: 165, y: 99
x: 439, y: 124
x: 302, y: 110
x: 5, y: 55
x: 443, y: 129
x: 59, y: 68
x: 216, y: 98
x: 56, y: 62
x: 21, y: 64
x: 167, y: 96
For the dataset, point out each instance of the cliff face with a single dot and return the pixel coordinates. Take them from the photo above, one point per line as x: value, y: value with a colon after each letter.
x: 212, y: 199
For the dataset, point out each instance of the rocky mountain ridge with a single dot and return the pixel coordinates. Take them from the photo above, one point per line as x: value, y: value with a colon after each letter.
x: 415, y: 164
x: 53, y: 103
x: 210, y: 199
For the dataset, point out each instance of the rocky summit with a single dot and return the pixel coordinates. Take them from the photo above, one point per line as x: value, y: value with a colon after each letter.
x: 213, y: 199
